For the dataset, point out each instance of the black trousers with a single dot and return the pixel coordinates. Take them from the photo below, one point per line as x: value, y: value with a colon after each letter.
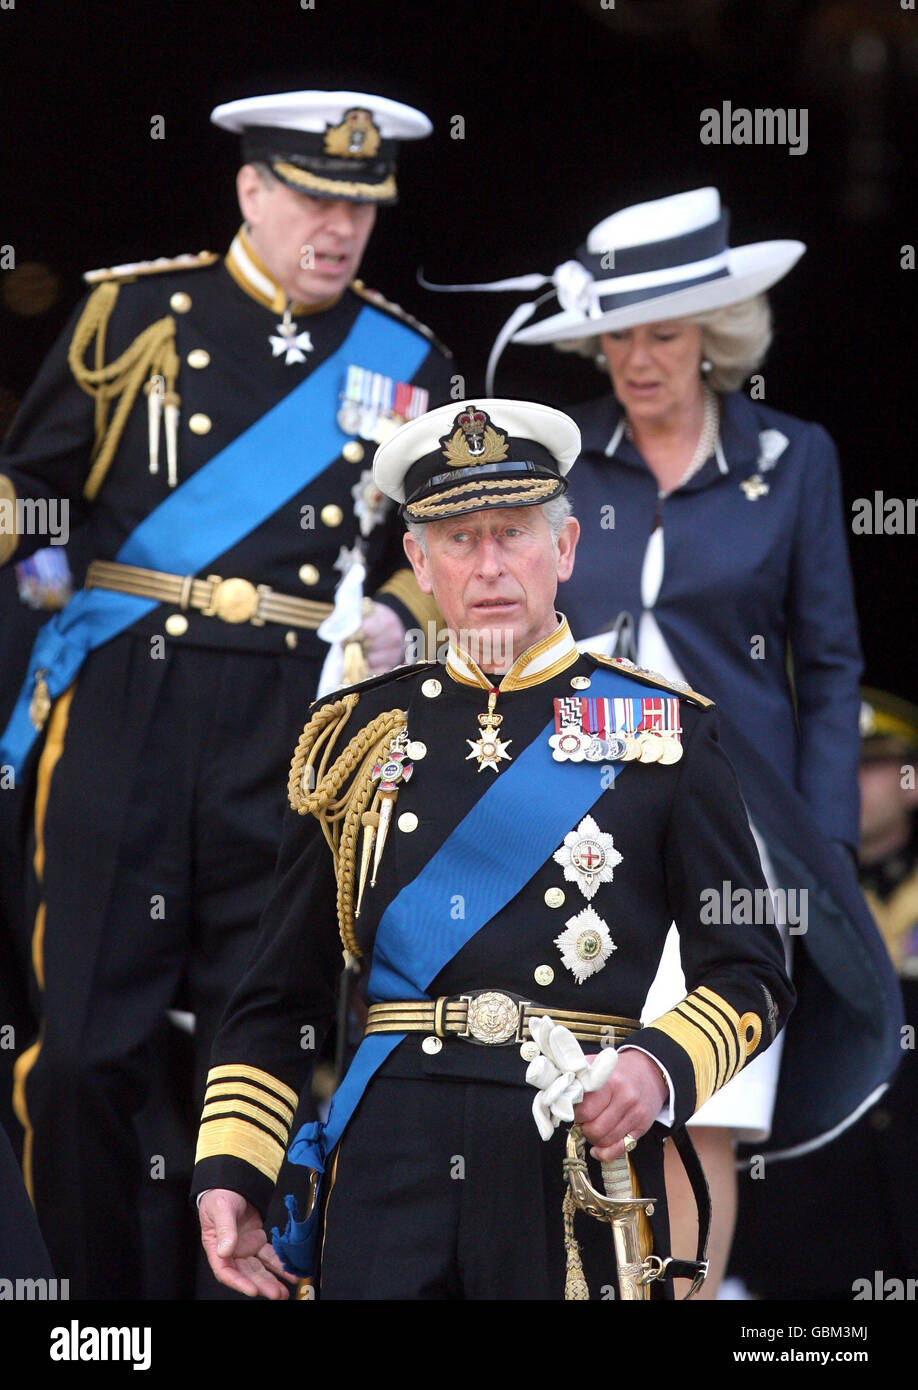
x: 443, y: 1190
x: 163, y: 820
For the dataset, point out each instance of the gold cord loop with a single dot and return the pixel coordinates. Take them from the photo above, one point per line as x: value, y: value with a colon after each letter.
x: 316, y: 787
x: 152, y: 353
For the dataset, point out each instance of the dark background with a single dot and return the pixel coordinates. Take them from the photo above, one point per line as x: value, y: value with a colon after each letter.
x: 571, y: 111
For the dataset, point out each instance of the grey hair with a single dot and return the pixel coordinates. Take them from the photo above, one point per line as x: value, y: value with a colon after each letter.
x: 735, y: 339
x: 556, y: 511
x: 264, y: 171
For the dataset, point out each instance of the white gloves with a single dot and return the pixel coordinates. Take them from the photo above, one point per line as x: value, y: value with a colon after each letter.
x: 562, y: 1074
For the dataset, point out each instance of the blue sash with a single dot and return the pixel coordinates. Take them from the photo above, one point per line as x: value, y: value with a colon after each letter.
x: 494, y: 851
x: 224, y: 501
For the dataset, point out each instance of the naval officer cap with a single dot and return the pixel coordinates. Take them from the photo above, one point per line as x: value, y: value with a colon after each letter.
x: 326, y: 144
x: 475, y: 455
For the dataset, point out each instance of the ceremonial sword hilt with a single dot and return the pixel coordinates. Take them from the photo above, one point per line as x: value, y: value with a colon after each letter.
x: 626, y: 1214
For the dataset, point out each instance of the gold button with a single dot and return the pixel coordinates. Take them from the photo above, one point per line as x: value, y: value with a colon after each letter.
x: 431, y: 1046
x: 417, y: 749
x: 200, y: 424
x: 332, y: 515
x: 176, y: 624
x: 353, y: 451
x: 554, y: 897
x: 198, y: 358
x: 529, y: 1051
x: 180, y: 302
x: 291, y: 638
x: 544, y: 974
x: 431, y: 689
x: 407, y: 821
x: 309, y: 574
x: 580, y: 682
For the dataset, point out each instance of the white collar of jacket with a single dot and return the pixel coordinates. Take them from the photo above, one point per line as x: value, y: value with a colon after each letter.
x: 540, y: 662
x: 252, y: 275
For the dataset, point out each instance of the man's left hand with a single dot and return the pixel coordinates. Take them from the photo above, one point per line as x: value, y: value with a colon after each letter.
x: 628, y: 1103
x: 384, y: 639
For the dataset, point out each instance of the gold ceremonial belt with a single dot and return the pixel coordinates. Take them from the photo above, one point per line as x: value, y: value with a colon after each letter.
x: 490, y: 1017
x: 230, y: 600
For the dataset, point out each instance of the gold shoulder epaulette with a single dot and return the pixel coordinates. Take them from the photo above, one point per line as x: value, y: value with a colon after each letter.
x: 628, y: 668
x: 379, y: 301
x: 133, y: 270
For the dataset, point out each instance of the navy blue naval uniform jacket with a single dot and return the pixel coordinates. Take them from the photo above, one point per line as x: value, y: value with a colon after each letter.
x: 679, y: 830
x: 737, y: 569
x: 228, y: 378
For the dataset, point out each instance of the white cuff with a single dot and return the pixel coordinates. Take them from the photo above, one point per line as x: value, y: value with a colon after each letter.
x: 667, y: 1113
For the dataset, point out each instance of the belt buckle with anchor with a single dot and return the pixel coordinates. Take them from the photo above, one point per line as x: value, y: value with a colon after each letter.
x: 493, y: 1018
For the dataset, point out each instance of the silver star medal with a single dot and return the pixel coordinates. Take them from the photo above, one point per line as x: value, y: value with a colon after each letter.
x: 290, y: 340
x: 585, y: 944
x: 370, y: 505
x: 588, y: 857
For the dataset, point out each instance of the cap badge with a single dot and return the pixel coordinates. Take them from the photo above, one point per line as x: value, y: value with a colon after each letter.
x: 356, y: 137
x: 474, y: 440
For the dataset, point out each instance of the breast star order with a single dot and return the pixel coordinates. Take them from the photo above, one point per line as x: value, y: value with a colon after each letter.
x: 588, y: 857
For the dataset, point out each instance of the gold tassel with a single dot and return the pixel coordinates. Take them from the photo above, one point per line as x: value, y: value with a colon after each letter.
x: 576, y: 1289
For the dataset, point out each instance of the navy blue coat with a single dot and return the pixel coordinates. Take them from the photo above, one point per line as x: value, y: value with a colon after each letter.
x: 736, y: 569
x: 774, y: 567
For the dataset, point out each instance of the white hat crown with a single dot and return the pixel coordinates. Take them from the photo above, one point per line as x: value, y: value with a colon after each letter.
x: 660, y: 219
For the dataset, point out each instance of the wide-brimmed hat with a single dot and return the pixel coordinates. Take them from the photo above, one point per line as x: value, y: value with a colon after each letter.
x: 474, y: 455
x: 665, y: 259
x: 326, y: 144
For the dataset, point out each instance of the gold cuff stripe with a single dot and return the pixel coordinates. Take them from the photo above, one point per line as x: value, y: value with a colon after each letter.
x: 9, y: 538
x: 264, y: 1120
x: 343, y: 187
x: 726, y: 1017
x: 234, y: 1138
x: 278, y: 1108
x: 261, y: 1078
x: 724, y: 1040
x: 423, y: 607
x: 748, y: 1028
x: 697, y: 1046
x: 751, y: 1035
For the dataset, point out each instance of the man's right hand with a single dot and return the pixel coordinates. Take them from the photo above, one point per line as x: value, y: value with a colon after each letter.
x: 237, y: 1249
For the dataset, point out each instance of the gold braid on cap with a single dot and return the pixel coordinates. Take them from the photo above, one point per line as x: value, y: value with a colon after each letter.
x: 315, y: 788
x: 151, y: 354
x: 530, y: 491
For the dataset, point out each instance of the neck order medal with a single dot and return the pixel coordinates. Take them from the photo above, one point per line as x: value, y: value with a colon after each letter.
x: 487, y: 747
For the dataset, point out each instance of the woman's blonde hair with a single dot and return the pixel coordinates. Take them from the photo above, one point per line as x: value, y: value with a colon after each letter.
x: 735, y: 340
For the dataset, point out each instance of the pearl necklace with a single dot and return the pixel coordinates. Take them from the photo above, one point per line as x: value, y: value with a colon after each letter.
x: 707, y: 440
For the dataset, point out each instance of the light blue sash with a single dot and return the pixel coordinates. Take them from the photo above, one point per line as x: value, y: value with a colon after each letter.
x: 494, y: 851
x: 224, y: 501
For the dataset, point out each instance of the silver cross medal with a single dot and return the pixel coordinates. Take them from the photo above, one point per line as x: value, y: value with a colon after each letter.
x: 290, y: 340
